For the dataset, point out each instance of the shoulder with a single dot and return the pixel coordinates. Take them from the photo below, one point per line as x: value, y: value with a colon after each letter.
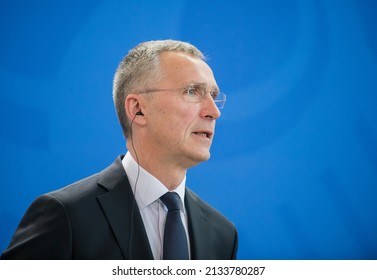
x: 210, y: 230
x: 83, y: 193
x: 82, y: 189
x: 91, y: 186
x: 208, y: 212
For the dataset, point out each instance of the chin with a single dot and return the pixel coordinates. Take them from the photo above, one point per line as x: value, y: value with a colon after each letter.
x: 198, y: 158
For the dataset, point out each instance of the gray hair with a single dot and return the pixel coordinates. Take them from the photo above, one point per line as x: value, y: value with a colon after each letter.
x: 139, y: 69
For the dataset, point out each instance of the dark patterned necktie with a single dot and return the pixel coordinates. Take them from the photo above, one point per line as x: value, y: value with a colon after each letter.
x: 175, y: 241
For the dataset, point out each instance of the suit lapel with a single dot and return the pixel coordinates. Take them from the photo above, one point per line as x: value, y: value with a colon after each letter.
x: 198, y: 226
x: 119, y: 205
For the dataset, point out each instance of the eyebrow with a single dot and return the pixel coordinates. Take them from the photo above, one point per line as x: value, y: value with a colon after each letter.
x: 193, y: 83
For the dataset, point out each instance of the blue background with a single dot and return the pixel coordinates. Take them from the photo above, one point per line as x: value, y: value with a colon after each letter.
x: 294, y: 162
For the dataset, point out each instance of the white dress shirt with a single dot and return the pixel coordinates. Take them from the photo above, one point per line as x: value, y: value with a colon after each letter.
x: 147, y: 190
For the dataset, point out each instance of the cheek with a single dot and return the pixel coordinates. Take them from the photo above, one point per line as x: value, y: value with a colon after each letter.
x: 175, y: 119
x: 178, y: 127
x: 185, y: 120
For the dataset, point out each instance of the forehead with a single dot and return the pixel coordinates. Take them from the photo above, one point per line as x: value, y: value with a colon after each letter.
x: 184, y: 68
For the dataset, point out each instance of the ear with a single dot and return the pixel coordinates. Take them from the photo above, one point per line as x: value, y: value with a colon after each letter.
x: 133, y: 104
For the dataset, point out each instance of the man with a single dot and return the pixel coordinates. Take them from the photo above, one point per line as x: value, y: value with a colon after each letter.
x: 167, y: 102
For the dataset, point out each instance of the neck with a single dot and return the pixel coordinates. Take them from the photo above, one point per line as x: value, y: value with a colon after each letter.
x: 170, y: 175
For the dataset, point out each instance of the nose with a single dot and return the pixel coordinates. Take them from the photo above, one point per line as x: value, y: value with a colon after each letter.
x: 210, y: 109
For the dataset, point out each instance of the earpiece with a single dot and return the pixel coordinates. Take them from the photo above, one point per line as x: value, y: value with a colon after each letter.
x: 137, y: 179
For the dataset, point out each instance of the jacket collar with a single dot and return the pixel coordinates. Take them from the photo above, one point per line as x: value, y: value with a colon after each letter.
x: 198, y: 226
x: 122, y: 213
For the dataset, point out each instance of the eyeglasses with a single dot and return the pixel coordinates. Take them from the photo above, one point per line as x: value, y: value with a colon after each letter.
x: 195, y: 93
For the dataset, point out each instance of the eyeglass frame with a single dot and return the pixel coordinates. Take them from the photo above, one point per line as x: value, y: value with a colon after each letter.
x: 215, y: 94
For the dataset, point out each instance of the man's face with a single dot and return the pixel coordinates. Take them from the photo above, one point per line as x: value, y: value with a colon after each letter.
x: 178, y: 131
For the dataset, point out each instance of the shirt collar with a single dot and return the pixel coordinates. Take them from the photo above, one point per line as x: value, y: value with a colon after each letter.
x: 148, y: 188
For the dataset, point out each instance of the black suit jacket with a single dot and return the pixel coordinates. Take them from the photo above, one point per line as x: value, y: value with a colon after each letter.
x: 92, y: 219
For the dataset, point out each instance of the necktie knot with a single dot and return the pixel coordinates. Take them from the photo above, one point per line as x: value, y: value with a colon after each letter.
x: 171, y: 201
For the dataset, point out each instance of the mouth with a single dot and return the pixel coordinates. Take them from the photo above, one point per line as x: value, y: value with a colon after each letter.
x: 204, y: 134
